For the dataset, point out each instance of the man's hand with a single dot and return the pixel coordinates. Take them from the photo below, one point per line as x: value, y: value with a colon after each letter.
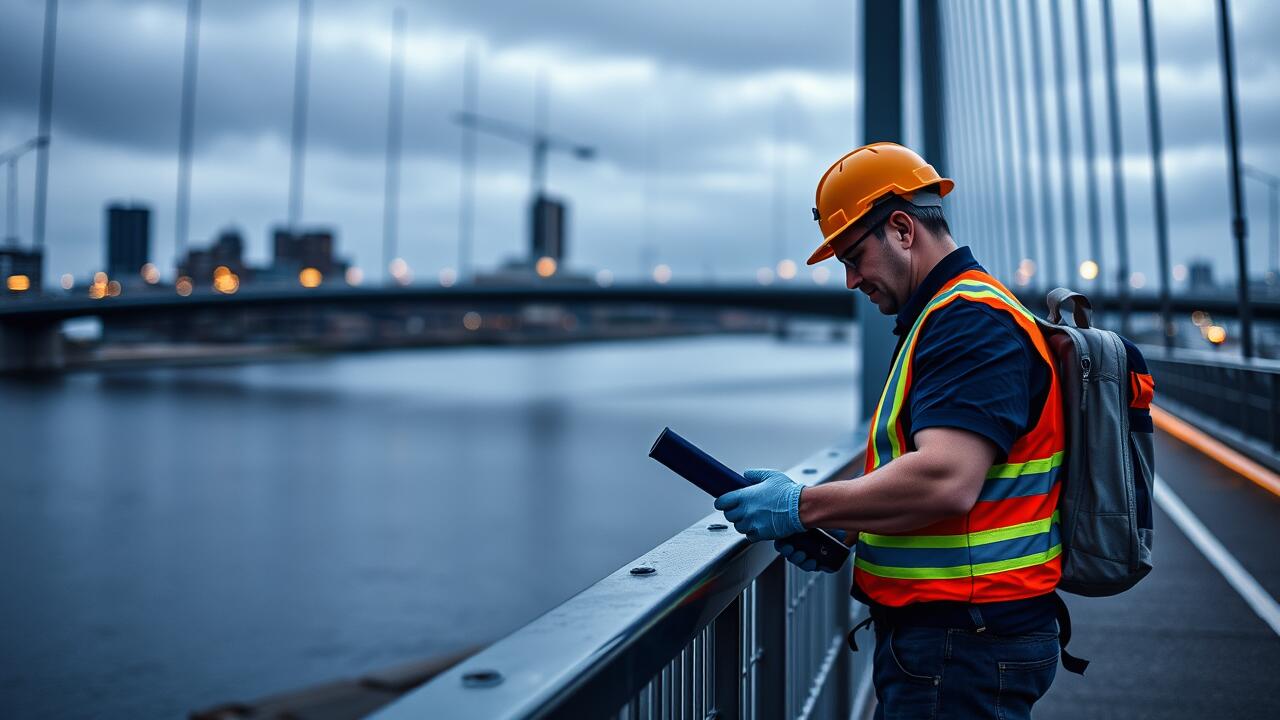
x: 802, y: 561
x: 766, y: 510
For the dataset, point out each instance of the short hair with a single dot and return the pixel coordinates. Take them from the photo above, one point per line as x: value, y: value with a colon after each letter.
x: 931, y: 217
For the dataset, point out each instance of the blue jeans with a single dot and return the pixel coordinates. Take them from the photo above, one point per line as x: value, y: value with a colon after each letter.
x: 923, y: 672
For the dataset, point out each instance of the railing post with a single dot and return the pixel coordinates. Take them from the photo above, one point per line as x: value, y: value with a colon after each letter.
x: 843, y: 669
x: 726, y: 661
x: 771, y: 641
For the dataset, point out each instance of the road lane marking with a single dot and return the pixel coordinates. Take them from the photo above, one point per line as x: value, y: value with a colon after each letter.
x: 1253, y: 593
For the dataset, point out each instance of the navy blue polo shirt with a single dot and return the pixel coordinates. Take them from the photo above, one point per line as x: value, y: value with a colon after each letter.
x: 974, y: 368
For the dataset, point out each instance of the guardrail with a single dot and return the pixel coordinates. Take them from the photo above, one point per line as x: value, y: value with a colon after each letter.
x: 705, y: 625
x: 1238, y: 399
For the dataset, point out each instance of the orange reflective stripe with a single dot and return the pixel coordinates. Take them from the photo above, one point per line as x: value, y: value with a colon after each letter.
x: 1142, y: 388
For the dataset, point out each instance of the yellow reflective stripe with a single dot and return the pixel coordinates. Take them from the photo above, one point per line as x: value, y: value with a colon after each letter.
x: 960, y: 571
x: 981, y: 537
x: 1030, y: 467
x: 1008, y: 300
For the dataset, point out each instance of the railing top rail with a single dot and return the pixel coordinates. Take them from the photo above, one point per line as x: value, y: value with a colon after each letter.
x: 601, y: 645
x: 1189, y: 356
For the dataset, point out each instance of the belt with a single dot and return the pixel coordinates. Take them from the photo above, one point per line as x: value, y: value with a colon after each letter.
x: 969, y: 616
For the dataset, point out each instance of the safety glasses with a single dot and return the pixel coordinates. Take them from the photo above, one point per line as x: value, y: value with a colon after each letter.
x: 846, y: 257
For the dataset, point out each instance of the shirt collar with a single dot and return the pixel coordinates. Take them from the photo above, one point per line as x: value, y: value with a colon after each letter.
x: 956, y: 262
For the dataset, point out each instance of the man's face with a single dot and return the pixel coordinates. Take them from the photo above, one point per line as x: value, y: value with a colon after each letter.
x: 879, y: 268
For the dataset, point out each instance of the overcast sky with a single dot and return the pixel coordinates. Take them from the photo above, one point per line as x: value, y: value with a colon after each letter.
x: 712, y: 120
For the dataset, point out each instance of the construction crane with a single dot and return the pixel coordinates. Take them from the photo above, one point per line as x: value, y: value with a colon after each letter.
x: 10, y: 158
x: 546, y: 235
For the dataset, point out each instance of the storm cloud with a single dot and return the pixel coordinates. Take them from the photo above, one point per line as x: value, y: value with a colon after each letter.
x: 712, y: 120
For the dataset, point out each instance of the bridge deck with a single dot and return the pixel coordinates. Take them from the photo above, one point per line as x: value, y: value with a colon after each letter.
x: 1184, y: 643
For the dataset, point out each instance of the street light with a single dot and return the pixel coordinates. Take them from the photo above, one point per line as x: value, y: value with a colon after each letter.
x: 1273, y: 204
x: 10, y: 158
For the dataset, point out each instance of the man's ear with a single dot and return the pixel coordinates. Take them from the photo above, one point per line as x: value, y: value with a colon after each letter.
x: 906, y: 227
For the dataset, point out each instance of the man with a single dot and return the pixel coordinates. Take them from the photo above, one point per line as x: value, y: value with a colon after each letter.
x: 956, y: 513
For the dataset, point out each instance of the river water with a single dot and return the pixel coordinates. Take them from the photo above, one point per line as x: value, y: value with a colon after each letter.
x: 176, y: 538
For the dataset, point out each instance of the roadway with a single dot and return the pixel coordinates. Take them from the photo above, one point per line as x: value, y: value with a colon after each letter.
x: 1184, y: 643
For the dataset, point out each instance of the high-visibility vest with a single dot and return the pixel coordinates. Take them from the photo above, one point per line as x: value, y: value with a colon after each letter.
x: 1007, y: 546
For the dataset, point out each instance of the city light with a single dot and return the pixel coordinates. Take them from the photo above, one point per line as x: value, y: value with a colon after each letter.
x: 354, y: 276
x: 400, y: 271
x: 1027, y: 267
x: 472, y: 320
x: 150, y: 274
x: 662, y: 274
x: 1201, y: 318
x: 67, y: 281
x: 448, y: 277
x: 310, y: 277
x: 787, y: 269
x: 545, y: 267
x: 1088, y: 269
x: 183, y: 286
x: 1179, y: 272
x: 604, y: 278
x: 764, y: 276
x: 1215, y: 334
x: 19, y: 283
x: 98, y: 289
x: 1137, y: 280
x: 113, y: 288
x: 821, y: 275
x: 225, y: 281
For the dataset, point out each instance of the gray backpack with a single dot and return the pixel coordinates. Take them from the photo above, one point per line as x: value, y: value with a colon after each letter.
x: 1105, y: 505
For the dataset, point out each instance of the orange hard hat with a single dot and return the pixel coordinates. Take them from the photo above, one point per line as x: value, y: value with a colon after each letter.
x: 851, y: 186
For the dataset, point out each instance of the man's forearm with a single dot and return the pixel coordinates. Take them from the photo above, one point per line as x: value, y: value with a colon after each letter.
x: 909, y: 493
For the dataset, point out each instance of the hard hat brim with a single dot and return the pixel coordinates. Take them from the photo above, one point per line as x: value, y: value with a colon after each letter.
x: 824, y: 251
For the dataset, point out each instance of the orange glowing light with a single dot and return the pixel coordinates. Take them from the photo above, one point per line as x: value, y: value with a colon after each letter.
x: 99, y: 278
x: 545, y: 267
x: 226, y: 283
x: 1215, y: 334
x: 183, y: 286
x: 150, y: 274
x: 310, y: 277
x: 19, y: 283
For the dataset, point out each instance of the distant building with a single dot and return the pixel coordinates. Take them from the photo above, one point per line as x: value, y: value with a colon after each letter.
x: 128, y: 240
x: 226, y: 251
x: 20, y: 270
x: 1200, y: 275
x: 293, y: 251
x: 549, y: 218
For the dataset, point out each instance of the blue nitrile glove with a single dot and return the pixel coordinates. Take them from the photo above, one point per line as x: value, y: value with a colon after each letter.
x: 767, y: 509
x: 802, y: 561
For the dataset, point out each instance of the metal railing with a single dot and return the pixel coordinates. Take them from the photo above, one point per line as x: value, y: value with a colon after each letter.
x: 1238, y: 399
x: 705, y: 625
